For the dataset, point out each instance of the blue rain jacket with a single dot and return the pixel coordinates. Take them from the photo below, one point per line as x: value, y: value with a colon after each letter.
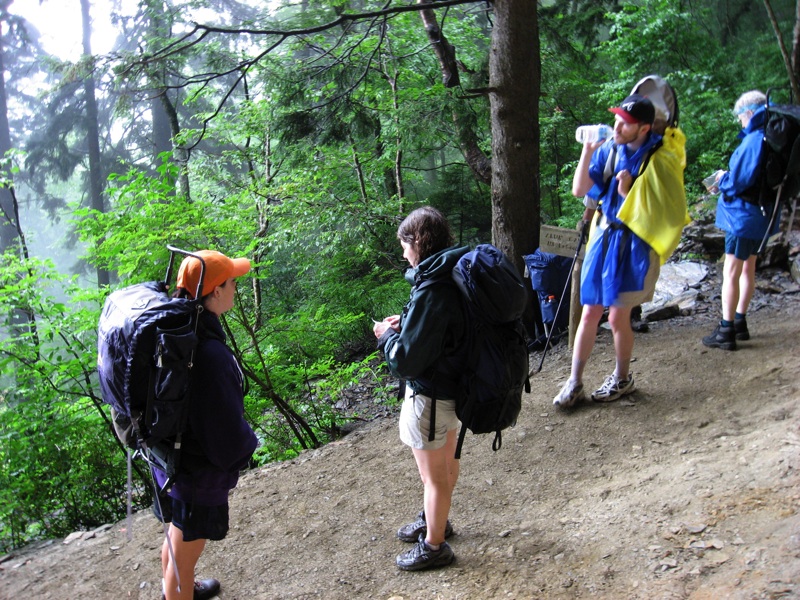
x: 735, y: 215
x: 616, y: 259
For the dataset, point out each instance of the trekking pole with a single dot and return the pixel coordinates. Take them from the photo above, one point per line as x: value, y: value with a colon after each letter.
x: 775, y: 210
x: 583, y: 235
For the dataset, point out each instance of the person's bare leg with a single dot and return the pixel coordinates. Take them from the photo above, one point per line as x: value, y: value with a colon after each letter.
x: 186, y: 555
x: 439, y: 472
x: 619, y: 317
x: 585, y: 337
x: 731, y: 273
x: 747, y: 285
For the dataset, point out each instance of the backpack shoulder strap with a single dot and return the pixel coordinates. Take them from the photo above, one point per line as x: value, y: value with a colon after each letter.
x: 611, y: 163
x: 608, y: 171
x: 613, y: 160
x: 646, y: 159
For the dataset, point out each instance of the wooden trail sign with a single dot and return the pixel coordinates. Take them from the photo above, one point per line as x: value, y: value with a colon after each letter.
x: 559, y: 241
x: 562, y: 242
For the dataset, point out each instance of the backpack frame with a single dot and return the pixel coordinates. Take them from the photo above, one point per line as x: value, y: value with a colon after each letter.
x: 146, y: 344
x: 665, y: 101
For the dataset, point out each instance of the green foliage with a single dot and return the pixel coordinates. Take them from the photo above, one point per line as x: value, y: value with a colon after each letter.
x: 334, y: 137
x: 60, y: 464
x: 61, y: 471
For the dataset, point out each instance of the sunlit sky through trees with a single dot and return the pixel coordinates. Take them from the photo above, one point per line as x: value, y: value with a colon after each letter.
x: 59, y: 23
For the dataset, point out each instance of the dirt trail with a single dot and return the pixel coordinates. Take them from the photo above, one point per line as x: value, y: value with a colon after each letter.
x: 688, y: 488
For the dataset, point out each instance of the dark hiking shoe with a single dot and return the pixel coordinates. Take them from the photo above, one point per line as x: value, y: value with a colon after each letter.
x: 411, y: 532
x: 740, y: 327
x: 421, y: 556
x: 721, y: 337
x: 204, y: 589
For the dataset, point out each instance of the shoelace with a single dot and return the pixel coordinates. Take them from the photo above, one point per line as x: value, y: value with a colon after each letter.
x: 612, y: 384
x: 422, y: 548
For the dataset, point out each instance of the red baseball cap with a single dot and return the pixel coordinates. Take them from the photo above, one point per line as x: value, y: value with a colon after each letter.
x: 636, y: 109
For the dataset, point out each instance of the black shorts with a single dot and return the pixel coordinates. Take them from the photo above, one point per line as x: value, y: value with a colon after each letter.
x: 197, y: 522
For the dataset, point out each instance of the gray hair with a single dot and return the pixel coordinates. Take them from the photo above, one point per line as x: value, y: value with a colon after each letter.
x: 752, y: 100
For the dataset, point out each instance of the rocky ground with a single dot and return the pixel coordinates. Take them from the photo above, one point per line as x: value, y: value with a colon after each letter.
x: 688, y: 488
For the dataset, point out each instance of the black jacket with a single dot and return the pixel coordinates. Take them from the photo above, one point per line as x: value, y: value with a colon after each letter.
x: 218, y: 442
x: 428, y: 350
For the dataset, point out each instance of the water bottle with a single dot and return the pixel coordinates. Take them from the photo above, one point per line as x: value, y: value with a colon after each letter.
x: 592, y: 133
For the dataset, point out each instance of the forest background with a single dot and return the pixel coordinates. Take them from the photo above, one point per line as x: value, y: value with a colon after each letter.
x: 299, y: 134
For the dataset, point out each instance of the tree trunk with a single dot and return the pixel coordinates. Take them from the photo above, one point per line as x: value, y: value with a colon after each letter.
x: 514, y: 80
x: 446, y: 53
x: 796, y: 44
x: 8, y: 229
x: 166, y: 121
x: 162, y: 134
x: 96, y: 176
x: 180, y: 155
x: 787, y: 60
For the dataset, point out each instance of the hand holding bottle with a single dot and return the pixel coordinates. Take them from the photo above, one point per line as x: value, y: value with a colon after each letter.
x: 588, y: 134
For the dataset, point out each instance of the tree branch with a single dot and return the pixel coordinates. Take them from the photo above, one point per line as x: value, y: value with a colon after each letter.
x: 784, y: 53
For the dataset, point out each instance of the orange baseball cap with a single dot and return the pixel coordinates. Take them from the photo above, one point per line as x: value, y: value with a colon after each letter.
x: 219, y: 268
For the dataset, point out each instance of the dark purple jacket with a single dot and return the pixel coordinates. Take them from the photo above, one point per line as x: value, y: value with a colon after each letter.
x: 218, y: 441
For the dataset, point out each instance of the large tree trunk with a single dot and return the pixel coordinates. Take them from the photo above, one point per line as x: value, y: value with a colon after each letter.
x: 514, y: 79
x: 96, y: 176
x: 166, y: 121
x: 180, y: 155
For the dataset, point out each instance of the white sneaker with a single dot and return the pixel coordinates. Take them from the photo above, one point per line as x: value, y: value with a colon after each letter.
x: 614, y: 388
x: 570, y: 393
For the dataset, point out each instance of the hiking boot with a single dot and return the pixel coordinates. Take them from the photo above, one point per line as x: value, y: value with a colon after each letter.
x: 204, y: 589
x: 421, y: 556
x: 721, y: 337
x: 570, y: 393
x: 740, y: 327
x: 614, y: 388
x: 412, y: 531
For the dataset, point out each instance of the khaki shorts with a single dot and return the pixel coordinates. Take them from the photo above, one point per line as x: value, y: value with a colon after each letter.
x: 632, y: 299
x: 415, y: 421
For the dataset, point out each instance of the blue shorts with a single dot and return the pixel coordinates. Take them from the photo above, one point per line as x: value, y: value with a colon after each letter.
x: 741, y: 248
x: 197, y: 522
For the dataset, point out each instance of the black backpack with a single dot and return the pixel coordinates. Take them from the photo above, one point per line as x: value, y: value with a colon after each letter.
x: 496, y: 352
x: 779, y: 180
x: 145, y: 347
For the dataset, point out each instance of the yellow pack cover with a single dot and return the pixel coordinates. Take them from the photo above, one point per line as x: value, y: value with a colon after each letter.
x: 655, y: 208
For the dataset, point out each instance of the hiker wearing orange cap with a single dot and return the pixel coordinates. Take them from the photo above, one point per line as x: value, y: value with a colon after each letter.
x: 218, y: 441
